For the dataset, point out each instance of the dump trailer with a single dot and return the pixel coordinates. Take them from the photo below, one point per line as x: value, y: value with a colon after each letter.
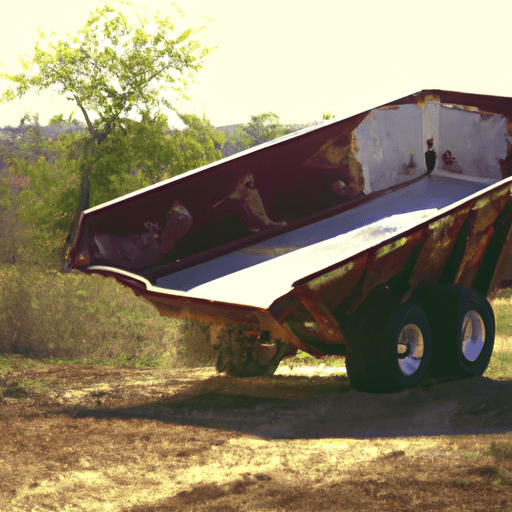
x: 379, y: 237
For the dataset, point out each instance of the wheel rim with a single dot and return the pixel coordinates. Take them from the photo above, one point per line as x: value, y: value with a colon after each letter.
x: 473, y: 336
x: 410, y: 349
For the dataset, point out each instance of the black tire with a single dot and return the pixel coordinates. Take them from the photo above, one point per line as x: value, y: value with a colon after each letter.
x: 238, y: 356
x: 455, y: 315
x: 397, y: 357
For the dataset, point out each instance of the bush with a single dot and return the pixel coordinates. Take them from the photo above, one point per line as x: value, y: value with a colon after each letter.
x: 75, y: 316
x: 191, y: 346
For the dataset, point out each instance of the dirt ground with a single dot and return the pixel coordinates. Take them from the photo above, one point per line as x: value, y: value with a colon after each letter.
x: 87, y: 438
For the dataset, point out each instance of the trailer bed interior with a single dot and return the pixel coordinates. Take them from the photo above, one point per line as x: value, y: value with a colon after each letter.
x: 428, y: 194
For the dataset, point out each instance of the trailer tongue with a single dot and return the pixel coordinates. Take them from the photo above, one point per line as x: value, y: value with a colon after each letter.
x: 377, y: 237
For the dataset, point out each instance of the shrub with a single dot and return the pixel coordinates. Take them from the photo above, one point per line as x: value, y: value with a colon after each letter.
x: 191, y: 346
x: 75, y: 316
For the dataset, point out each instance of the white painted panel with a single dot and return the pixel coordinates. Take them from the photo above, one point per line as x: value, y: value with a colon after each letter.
x: 476, y: 142
x: 390, y: 146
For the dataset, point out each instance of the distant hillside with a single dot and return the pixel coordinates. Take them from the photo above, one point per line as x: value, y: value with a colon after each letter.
x: 48, y: 132
x: 9, y: 136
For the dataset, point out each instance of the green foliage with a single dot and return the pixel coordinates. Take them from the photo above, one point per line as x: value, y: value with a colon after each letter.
x: 48, y: 314
x: 261, y: 128
x: 500, y: 366
x: 143, y: 153
x: 238, y: 140
x: 193, y: 349
x: 41, y: 194
x: 59, y: 120
x: 304, y: 359
x: 131, y: 158
x: 5, y: 200
x: 265, y: 127
x: 197, y: 145
x: 500, y: 451
x: 27, y: 143
x: 15, y: 362
x: 503, y: 312
x: 30, y: 387
x: 111, y: 68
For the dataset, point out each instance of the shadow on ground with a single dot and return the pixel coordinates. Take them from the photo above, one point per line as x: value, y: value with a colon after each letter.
x: 299, y: 407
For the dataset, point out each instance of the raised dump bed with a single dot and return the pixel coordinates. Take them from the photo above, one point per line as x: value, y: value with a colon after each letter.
x: 377, y: 237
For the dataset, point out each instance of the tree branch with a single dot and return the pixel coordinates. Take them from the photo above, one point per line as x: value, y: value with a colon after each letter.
x: 90, y: 126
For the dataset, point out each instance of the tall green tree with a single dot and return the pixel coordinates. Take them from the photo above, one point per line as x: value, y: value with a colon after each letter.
x: 111, y: 69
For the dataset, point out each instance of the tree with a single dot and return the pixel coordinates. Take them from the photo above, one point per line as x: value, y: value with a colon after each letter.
x: 265, y: 127
x: 111, y: 70
x: 237, y: 140
x: 261, y: 128
x: 196, y: 145
x: 133, y: 156
x: 145, y: 152
x: 328, y: 116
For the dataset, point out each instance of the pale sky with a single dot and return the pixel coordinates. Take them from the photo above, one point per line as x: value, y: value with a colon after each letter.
x: 299, y: 58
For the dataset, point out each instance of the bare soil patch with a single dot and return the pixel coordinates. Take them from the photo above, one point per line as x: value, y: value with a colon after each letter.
x: 90, y: 438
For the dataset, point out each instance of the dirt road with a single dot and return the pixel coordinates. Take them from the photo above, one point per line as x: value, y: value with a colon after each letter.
x: 85, y: 438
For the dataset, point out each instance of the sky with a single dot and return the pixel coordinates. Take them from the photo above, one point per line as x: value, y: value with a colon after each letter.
x: 297, y: 58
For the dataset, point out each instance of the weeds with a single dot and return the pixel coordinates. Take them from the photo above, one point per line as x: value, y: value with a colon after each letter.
x: 501, y: 451
x: 38, y: 386
x: 13, y: 362
x: 502, y: 306
x: 47, y: 314
x: 304, y: 359
x: 500, y: 366
x: 471, y: 455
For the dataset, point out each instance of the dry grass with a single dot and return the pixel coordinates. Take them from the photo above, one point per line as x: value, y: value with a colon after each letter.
x: 75, y: 316
x: 503, y: 344
x: 79, y: 449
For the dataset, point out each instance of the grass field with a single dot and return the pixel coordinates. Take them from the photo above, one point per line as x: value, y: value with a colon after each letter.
x: 500, y: 366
